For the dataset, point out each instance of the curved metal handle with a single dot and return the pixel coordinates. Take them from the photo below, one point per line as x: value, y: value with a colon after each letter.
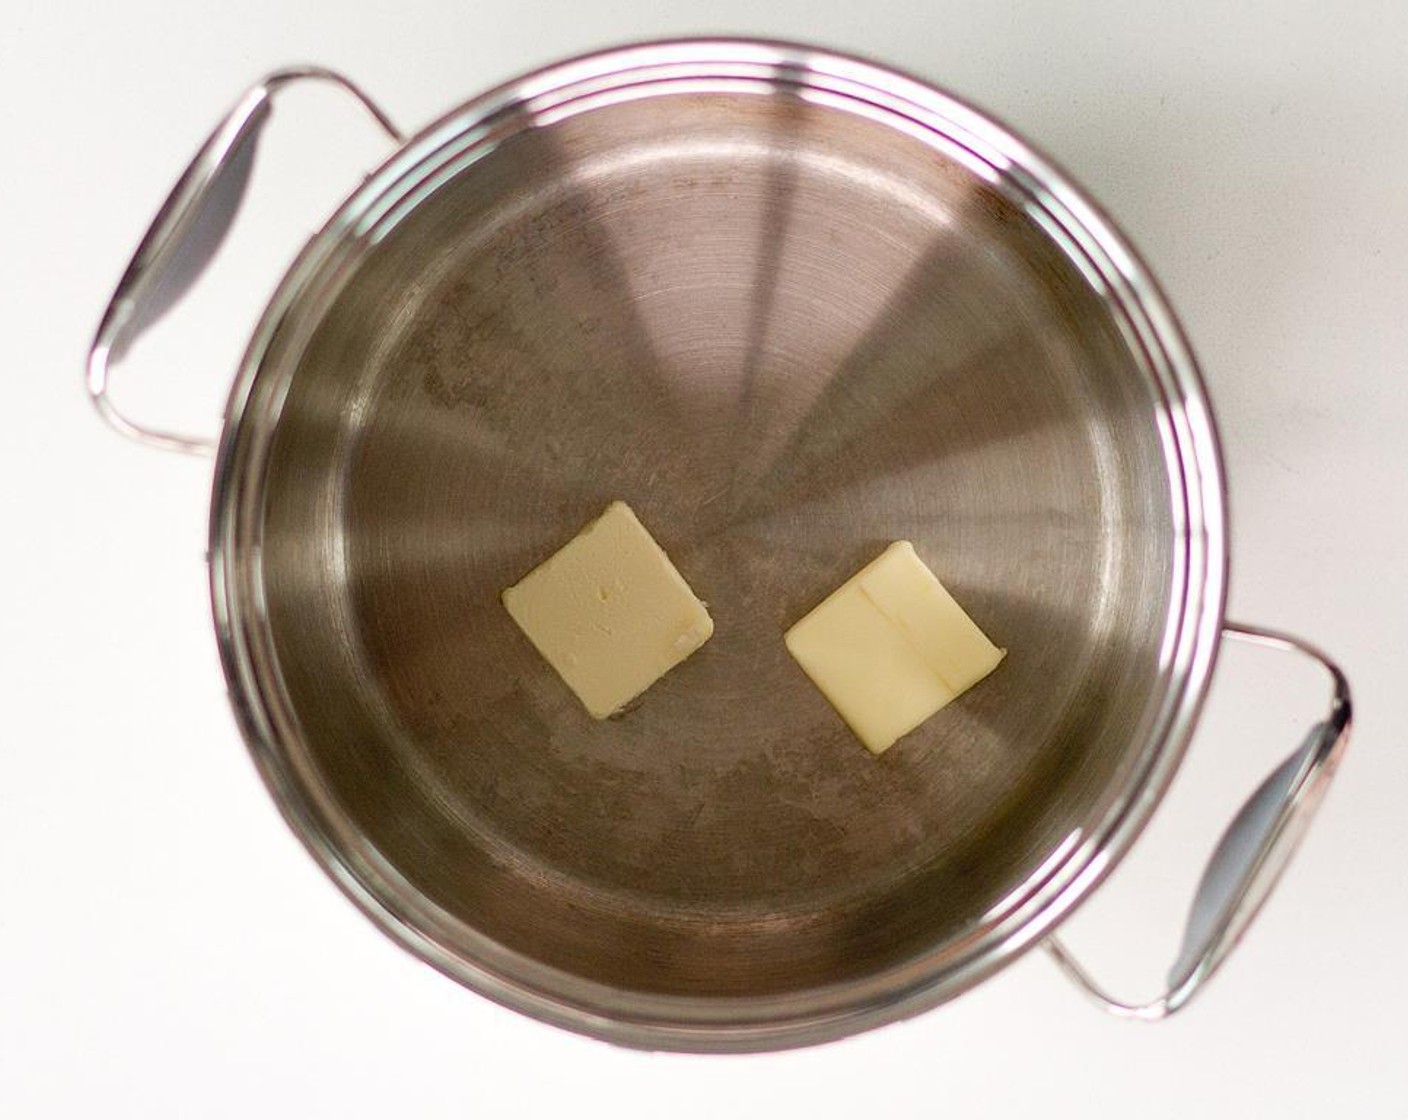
x: 185, y: 236
x: 1251, y: 854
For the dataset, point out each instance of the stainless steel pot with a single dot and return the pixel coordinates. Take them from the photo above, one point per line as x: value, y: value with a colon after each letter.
x: 791, y: 306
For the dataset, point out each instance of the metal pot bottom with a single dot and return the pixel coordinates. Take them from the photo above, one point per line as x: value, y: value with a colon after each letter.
x: 788, y: 329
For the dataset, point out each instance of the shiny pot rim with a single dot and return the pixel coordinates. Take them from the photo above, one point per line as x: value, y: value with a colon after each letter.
x: 1194, y: 460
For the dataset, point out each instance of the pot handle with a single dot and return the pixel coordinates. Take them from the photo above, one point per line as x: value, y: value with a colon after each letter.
x: 1251, y: 854
x: 184, y: 237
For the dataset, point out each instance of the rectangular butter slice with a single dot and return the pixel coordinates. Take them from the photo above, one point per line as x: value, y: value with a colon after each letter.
x: 890, y: 647
x: 609, y: 612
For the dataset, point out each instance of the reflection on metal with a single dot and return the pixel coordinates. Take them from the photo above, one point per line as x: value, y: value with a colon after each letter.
x: 1251, y: 854
x: 184, y: 238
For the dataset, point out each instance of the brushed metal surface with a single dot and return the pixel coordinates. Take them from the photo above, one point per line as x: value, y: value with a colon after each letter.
x: 787, y: 328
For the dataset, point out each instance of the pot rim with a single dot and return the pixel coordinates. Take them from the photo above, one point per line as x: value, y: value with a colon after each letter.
x: 1197, y: 489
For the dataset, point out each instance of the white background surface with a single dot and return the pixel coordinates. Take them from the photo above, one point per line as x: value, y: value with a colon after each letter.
x: 167, y: 949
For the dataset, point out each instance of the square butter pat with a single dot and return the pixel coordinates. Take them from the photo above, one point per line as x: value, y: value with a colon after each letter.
x: 890, y: 647
x: 609, y: 612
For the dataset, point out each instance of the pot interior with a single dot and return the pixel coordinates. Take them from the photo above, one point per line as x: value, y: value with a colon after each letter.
x: 788, y: 330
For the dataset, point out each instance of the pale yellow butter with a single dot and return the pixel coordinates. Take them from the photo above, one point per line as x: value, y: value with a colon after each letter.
x: 609, y: 612
x: 890, y: 647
